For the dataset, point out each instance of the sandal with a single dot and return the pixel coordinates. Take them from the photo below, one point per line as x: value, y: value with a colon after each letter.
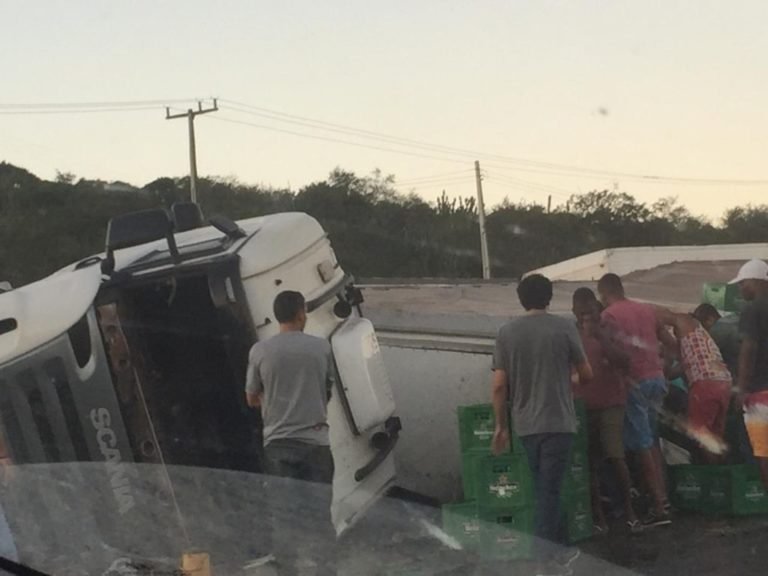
x: 599, y: 530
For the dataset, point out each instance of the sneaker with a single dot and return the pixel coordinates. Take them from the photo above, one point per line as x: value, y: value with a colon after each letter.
x: 568, y: 556
x: 259, y: 562
x: 552, y: 569
x: 653, y: 520
x: 634, y: 526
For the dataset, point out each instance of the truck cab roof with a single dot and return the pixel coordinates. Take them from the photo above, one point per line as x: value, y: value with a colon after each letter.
x: 39, y: 312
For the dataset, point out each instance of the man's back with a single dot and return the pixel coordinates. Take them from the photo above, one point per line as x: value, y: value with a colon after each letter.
x: 753, y: 324
x: 293, y: 371
x: 607, y: 388
x: 634, y: 325
x: 537, y: 352
x: 725, y: 333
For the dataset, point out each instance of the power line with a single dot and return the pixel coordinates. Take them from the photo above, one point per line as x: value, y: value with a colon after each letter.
x: 58, y: 108
x: 531, y: 185
x: 337, y: 140
x: 434, y: 176
x: 434, y: 182
x: 106, y: 104
x: 76, y: 111
x: 456, y: 154
x: 520, y: 164
x: 523, y: 191
x: 524, y: 186
x: 339, y: 128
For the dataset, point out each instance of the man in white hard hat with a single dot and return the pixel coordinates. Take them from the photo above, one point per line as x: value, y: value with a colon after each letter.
x: 752, y: 378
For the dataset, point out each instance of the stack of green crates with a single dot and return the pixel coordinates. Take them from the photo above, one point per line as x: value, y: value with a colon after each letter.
x: 496, y: 518
x: 729, y: 490
x: 724, y: 297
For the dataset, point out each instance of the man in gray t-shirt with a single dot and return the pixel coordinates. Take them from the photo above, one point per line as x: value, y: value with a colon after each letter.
x: 532, y: 371
x: 290, y: 377
x: 536, y: 352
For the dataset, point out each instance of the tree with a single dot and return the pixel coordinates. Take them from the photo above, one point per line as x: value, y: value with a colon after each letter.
x: 65, y: 177
x: 747, y: 224
x: 604, y: 206
x: 375, y: 230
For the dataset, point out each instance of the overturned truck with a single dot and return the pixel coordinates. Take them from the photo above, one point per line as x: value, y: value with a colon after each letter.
x: 122, y: 410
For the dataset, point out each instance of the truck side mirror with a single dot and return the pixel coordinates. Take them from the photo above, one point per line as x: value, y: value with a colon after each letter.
x: 227, y: 226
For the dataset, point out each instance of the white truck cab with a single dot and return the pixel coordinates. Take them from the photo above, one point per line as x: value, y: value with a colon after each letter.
x: 139, y: 355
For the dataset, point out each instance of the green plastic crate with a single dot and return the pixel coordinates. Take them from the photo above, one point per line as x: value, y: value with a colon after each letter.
x: 718, y: 493
x: 462, y: 521
x: 468, y: 475
x: 725, y: 297
x: 506, y: 534
x: 503, y: 482
x: 688, y: 485
x: 578, y: 513
x: 747, y: 491
x: 733, y: 489
x: 476, y: 426
x: 581, y: 439
x: 577, y: 474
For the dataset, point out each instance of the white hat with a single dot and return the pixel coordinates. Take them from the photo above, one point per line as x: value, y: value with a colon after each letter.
x: 753, y: 270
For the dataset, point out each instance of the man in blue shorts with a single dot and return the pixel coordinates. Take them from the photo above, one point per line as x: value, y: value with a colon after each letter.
x: 635, y: 328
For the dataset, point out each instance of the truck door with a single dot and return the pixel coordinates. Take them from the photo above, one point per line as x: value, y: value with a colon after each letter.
x: 369, y: 402
x: 364, y: 429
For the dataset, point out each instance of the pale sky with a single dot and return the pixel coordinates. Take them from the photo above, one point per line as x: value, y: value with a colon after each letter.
x: 673, y: 88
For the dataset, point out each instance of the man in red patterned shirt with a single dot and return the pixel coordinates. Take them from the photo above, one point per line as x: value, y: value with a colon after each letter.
x: 709, y: 381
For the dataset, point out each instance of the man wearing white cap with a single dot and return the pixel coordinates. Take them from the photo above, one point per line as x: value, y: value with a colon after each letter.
x: 752, y: 378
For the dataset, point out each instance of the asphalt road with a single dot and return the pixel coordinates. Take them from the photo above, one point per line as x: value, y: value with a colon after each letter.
x: 393, y: 541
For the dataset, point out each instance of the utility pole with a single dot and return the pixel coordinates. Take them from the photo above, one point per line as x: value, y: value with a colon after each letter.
x: 549, y: 204
x: 481, y: 218
x: 190, y: 116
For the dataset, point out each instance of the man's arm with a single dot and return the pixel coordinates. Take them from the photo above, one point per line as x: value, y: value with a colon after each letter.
x: 584, y: 370
x: 330, y: 376
x: 254, y: 388
x: 253, y: 400
x: 613, y: 352
x: 577, y: 356
x: 664, y: 318
x: 747, y: 355
x: 500, y: 398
